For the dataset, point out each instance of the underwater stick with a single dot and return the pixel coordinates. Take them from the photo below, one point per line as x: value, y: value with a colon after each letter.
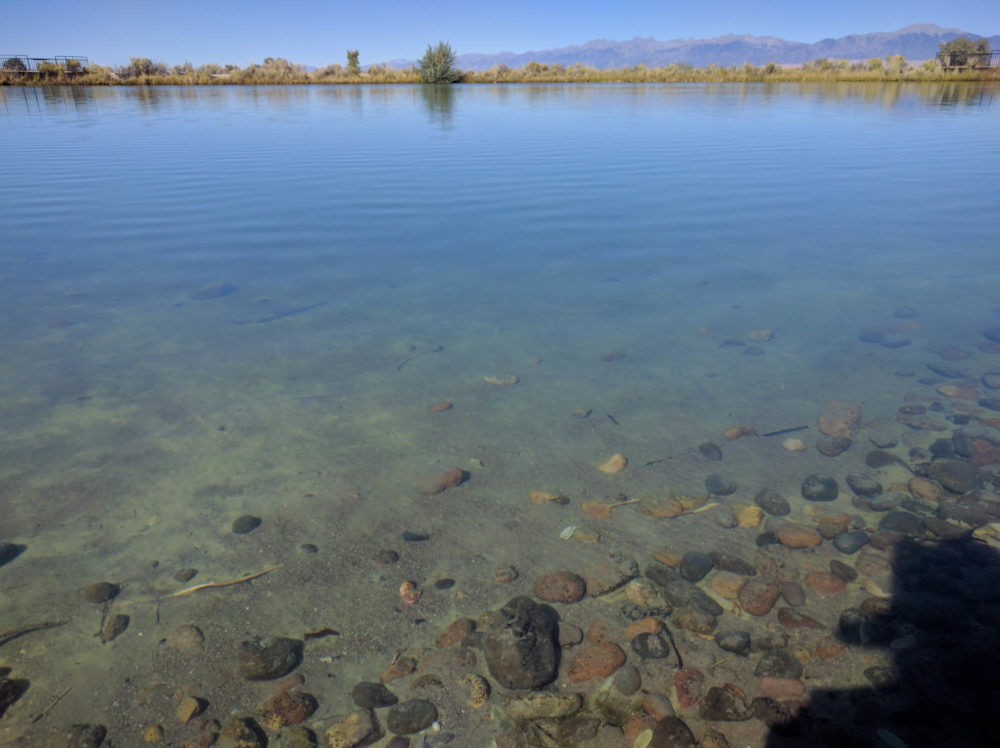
x: 210, y: 585
x: 8, y: 635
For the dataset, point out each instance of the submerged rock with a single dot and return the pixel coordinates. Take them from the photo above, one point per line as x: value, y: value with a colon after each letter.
x: 522, y: 647
x: 268, y: 658
x: 819, y: 487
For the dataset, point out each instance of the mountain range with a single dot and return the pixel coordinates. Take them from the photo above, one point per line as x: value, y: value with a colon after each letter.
x: 916, y: 42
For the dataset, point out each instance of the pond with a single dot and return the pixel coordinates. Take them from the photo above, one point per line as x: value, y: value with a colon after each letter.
x: 342, y: 364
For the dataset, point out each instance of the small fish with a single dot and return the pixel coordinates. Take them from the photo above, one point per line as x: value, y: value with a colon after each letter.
x: 409, y: 593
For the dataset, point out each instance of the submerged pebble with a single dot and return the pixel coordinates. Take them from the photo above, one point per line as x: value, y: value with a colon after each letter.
x: 100, y: 592
x: 246, y: 524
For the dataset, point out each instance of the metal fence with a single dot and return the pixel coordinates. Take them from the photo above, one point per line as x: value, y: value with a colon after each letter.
x: 974, y: 60
x: 24, y: 65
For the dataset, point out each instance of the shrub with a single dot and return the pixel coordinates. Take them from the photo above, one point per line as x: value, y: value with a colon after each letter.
x: 14, y: 63
x: 438, y: 65
x: 353, y: 66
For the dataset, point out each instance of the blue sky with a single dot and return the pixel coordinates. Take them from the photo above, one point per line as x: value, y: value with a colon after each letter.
x: 317, y: 33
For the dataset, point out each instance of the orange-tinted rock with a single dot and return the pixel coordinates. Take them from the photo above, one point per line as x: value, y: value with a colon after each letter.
x: 829, y: 648
x: 597, y: 632
x: 647, y: 625
x: 289, y: 708
x: 780, y: 688
x: 840, y: 418
x: 288, y: 683
x: 690, y: 685
x: 925, y: 490
x: 544, y: 497
x: 798, y: 536
x: 984, y: 453
x: 738, y: 432
x: 759, y: 595
x: 657, y: 706
x: 440, y: 407
x: 444, y: 481
x: 825, y: 584
x: 560, y: 587
x: 727, y: 584
x: 596, y: 661
x: 964, y: 391
x: 614, y: 464
x: 455, y: 633
x: 402, y: 667
x: 793, y: 619
x: 661, y: 507
x: 637, y: 724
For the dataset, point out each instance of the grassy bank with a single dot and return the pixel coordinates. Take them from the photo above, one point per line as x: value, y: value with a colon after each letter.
x: 144, y: 72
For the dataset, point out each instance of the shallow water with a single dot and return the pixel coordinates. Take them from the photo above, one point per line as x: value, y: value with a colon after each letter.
x: 240, y: 300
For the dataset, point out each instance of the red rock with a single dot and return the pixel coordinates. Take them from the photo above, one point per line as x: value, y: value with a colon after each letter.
x: 444, y: 481
x: 780, y: 688
x: 825, y: 584
x: 759, y: 595
x: 596, y: 661
x: 690, y: 685
x: 560, y: 587
x: 455, y: 633
x: 597, y: 632
x: 793, y: 535
x: 840, y: 418
x: 440, y: 407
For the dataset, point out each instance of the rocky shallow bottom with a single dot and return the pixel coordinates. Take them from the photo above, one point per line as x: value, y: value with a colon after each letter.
x: 862, y: 611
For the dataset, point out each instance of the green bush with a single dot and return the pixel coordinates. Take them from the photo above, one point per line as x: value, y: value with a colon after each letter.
x: 353, y: 66
x: 15, y: 64
x: 438, y: 65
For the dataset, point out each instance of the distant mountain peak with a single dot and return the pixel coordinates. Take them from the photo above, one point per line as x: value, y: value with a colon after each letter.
x: 915, y: 42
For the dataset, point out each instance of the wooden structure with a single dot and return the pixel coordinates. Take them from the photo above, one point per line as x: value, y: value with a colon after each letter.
x: 24, y: 65
x: 971, y: 60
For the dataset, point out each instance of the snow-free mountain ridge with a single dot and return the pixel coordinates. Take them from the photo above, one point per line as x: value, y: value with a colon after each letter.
x: 915, y: 42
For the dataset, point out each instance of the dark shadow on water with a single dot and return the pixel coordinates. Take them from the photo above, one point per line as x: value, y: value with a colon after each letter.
x: 942, y: 627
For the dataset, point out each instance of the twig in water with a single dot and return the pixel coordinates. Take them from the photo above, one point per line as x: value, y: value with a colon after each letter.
x: 38, y: 717
x: 211, y: 585
x: 8, y: 635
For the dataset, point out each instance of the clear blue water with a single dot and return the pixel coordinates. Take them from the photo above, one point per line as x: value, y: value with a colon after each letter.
x: 385, y: 248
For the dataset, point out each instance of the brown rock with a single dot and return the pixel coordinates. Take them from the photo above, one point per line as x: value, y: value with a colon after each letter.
x: 657, y: 706
x: 569, y: 635
x: 738, y: 432
x: 671, y: 732
x: 614, y: 464
x: 696, y: 621
x: 400, y: 668
x: 188, y: 709
x: 444, y: 481
x: 793, y: 619
x: 825, y: 584
x: 455, y: 633
x: 186, y: 639
x: 794, y: 535
x: 965, y: 390
x: 727, y: 584
x: 596, y: 661
x: 832, y: 526
x: 840, y: 418
x: 925, y: 490
x: 690, y: 685
x: 637, y: 724
x: 759, y: 595
x: 544, y: 497
x: 659, y: 507
x: 647, y: 625
x: 780, y: 688
x: 713, y: 739
x: 829, y: 648
x: 984, y: 453
x: 560, y: 587
x: 289, y: 708
x: 833, y: 446
x: 352, y: 730
x: 440, y: 407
